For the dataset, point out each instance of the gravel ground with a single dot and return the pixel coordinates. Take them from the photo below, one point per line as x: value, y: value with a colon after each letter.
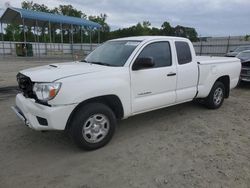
x: 10, y: 66
x: 181, y: 146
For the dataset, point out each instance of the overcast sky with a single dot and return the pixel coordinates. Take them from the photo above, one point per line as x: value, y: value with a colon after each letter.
x: 208, y: 17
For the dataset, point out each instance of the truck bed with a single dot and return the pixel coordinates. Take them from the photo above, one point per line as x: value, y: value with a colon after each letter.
x: 211, y: 68
x: 215, y: 60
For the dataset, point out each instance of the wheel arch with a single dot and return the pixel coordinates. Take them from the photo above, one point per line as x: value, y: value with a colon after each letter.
x: 226, y: 81
x: 112, y: 101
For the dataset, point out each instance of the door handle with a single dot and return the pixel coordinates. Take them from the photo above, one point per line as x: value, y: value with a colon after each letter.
x: 171, y: 74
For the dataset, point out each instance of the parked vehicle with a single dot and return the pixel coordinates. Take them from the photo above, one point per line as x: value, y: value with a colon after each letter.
x: 119, y: 79
x: 235, y: 52
x: 245, y: 61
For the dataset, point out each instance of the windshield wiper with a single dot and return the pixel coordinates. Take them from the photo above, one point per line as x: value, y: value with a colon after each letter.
x: 100, y: 63
x: 84, y: 61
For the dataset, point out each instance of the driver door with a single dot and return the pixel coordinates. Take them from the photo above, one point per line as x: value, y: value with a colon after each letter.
x: 154, y: 87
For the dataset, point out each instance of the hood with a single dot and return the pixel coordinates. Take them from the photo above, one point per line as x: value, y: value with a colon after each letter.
x: 244, y: 60
x: 232, y: 54
x: 52, y: 72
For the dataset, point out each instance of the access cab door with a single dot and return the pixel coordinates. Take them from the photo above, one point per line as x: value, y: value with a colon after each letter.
x: 154, y: 87
x: 187, y: 72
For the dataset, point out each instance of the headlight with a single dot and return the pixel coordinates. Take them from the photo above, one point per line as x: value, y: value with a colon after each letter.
x: 46, y: 91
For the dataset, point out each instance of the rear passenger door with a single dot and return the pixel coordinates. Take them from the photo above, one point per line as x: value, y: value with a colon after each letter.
x: 154, y: 87
x: 187, y: 72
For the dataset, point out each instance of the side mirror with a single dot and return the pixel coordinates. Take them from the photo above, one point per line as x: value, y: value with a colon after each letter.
x: 143, y: 63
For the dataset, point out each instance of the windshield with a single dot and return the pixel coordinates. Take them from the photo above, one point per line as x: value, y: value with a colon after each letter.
x: 240, y: 49
x: 244, y: 55
x: 112, y: 53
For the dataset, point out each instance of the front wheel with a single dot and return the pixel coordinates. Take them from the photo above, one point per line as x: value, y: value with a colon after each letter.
x: 216, y: 96
x: 93, y: 126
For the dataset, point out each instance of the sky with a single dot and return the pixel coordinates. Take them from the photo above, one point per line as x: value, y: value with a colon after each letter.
x: 208, y: 17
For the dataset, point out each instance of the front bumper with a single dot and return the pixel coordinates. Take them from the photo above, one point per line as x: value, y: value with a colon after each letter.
x: 245, y: 74
x: 29, y: 112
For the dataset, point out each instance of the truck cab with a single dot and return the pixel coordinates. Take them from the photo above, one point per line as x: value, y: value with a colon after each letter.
x: 165, y: 82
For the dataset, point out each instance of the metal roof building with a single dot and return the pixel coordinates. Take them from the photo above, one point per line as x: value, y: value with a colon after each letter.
x: 29, y: 17
x: 36, y: 20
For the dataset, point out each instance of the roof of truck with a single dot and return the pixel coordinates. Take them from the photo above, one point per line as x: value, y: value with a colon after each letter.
x: 144, y: 38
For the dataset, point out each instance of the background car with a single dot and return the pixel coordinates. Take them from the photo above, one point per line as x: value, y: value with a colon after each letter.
x: 235, y: 52
x: 245, y: 60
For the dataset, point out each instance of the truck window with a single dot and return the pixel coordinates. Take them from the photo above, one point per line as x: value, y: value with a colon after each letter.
x: 160, y: 52
x: 183, y: 52
x: 113, y: 53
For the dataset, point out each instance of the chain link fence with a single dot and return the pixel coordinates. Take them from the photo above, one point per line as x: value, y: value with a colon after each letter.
x: 45, y: 50
x: 211, y: 46
x: 219, y: 46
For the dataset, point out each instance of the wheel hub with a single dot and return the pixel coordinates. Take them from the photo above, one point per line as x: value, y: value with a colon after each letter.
x: 218, y: 96
x: 95, y: 128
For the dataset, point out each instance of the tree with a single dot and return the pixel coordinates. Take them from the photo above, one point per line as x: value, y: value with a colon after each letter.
x: 247, y: 37
x: 187, y: 32
x: 30, y: 5
x: 146, y: 24
x: 68, y: 10
x: 105, y: 27
x: 13, y: 32
x: 167, y: 29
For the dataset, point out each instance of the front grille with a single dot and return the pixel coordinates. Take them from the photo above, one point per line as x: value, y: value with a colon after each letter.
x: 25, y: 85
x: 247, y: 64
x: 243, y: 71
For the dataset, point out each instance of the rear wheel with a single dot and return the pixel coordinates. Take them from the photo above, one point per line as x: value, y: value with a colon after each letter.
x: 93, y: 126
x: 216, y: 96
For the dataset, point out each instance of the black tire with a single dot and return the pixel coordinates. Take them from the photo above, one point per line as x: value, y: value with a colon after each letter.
x: 210, y: 101
x: 79, y: 120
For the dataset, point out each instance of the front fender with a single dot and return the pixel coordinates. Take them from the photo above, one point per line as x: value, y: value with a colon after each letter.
x: 77, y: 89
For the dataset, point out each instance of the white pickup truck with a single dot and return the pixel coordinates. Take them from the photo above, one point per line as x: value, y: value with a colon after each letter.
x: 119, y: 79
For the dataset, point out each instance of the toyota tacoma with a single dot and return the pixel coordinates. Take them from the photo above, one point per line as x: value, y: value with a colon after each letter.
x: 119, y: 79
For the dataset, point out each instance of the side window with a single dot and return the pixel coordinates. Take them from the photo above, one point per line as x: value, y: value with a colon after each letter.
x: 160, y: 52
x: 183, y: 52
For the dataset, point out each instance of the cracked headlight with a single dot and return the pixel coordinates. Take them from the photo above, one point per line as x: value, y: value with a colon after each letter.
x: 46, y: 91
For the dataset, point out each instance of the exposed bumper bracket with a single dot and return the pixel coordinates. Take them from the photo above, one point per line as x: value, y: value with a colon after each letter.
x: 19, y: 114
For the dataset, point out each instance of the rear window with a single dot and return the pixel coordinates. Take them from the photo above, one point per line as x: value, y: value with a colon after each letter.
x: 183, y: 52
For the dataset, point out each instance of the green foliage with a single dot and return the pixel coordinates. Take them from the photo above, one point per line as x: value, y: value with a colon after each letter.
x: 105, y: 27
x: 15, y: 32
x: 166, y: 29
x: 68, y: 10
x: 145, y: 29
x: 247, y: 37
x: 187, y: 32
x: 30, y: 5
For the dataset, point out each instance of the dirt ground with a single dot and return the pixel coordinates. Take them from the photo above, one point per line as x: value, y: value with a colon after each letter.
x: 10, y: 66
x: 182, y: 146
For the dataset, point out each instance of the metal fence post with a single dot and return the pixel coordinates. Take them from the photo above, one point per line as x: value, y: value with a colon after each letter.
x: 14, y: 40
x: 201, y: 46
x: 99, y: 36
x: 228, y: 43
x: 2, y: 39
x: 35, y: 37
x: 62, y: 39
x: 90, y: 39
x: 72, y: 40
x: 81, y: 37
x: 38, y: 39
x: 49, y: 37
x: 24, y: 37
